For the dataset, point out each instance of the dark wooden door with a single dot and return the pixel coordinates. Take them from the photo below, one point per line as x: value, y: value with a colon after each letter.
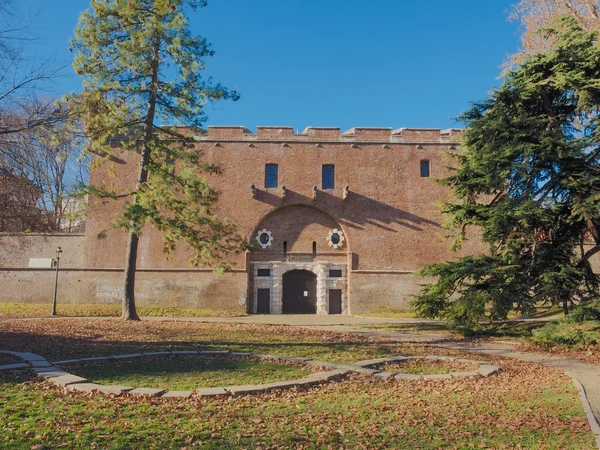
x: 299, y: 292
x: 335, y: 301
x: 263, y: 301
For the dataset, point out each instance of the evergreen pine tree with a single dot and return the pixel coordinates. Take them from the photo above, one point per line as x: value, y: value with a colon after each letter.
x: 529, y: 178
x: 143, y: 81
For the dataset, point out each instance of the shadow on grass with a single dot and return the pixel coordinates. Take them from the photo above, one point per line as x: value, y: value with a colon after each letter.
x: 57, y: 347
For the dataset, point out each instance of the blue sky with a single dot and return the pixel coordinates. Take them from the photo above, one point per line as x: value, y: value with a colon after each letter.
x: 339, y: 63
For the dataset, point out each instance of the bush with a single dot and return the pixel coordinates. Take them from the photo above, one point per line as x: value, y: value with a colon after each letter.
x: 567, y: 333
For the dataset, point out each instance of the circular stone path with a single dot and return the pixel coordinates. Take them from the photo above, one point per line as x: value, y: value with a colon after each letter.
x: 48, y: 371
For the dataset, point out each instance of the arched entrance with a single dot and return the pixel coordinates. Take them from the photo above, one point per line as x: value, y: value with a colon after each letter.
x: 299, y: 292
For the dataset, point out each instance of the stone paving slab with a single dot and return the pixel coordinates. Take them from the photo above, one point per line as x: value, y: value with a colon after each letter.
x: 472, y: 361
x: 328, y: 375
x: 156, y: 353
x: 146, y: 392
x: 279, y: 385
x: 52, y: 374
x: 361, y: 370
x: 95, y: 358
x: 84, y: 387
x: 488, y: 369
x: 15, y: 366
x: 30, y: 356
x: 244, y: 389
x: 91, y: 358
x: 8, y: 352
x: 177, y: 394
x: 397, y: 358
x: 465, y: 374
x: 40, y: 364
x: 114, y: 389
x: 65, y: 380
x: 128, y: 355
x: 371, y: 362
x: 314, y: 362
x: 407, y: 376
x: 211, y: 392
x: 184, y: 352
x: 45, y: 369
x: 66, y: 361
x: 300, y: 360
x: 214, y: 352
x: 385, y: 375
x: 437, y: 376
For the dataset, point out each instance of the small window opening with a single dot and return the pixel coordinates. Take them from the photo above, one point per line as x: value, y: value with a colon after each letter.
x: 264, y: 272
x: 328, y: 181
x: 335, y: 273
x: 284, y: 246
x: 425, y: 169
x: 314, y: 248
x: 271, y: 173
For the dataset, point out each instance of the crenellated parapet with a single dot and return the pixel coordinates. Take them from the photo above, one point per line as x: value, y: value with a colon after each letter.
x: 330, y: 134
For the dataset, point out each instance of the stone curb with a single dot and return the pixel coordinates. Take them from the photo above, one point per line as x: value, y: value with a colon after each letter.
x: 15, y: 366
x: 588, y: 410
x: 48, y: 371
x: 485, y: 369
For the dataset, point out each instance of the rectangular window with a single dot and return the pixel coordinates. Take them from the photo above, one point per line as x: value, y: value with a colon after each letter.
x: 328, y: 176
x: 333, y: 273
x: 271, y: 172
x: 425, y: 169
x: 264, y: 272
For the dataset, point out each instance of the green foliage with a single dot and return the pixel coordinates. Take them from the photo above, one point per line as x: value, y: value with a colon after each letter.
x: 528, y: 179
x: 568, y: 333
x: 144, y: 93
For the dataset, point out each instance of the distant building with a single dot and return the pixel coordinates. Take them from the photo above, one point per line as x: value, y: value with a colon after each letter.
x: 19, y: 208
x: 73, y: 216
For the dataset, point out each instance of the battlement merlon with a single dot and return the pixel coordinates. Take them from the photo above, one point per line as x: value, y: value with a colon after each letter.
x: 331, y: 134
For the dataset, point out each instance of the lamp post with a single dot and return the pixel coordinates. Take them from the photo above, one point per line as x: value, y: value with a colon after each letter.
x: 57, y: 263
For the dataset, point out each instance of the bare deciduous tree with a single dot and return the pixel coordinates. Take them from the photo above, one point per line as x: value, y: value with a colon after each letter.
x: 535, y: 15
x: 49, y: 156
x: 21, y: 78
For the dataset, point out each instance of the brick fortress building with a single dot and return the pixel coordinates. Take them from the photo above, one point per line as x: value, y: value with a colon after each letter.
x: 340, y: 220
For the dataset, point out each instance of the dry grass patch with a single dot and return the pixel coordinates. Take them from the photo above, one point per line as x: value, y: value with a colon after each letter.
x: 41, y: 310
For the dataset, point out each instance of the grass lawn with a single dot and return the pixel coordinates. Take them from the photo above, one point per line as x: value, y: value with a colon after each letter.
x: 186, y: 372
x: 524, y: 405
x: 27, y: 310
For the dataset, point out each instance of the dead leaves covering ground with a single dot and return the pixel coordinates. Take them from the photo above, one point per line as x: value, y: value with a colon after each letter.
x: 524, y: 405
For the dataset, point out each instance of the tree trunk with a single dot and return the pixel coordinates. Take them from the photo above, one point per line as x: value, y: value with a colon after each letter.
x: 129, y: 312
x: 565, y: 307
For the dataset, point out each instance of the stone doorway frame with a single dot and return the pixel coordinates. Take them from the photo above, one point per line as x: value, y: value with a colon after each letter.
x: 275, y: 283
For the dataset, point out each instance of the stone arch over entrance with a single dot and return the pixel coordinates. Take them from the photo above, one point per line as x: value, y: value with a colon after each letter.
x: 299, y: 292
x: 285, y: 241
x: 299, y: 226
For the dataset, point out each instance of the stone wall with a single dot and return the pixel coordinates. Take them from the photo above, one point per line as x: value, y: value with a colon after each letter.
x: 382, y: 291
x: 17, y: 249
x: 192, y: 289
x: 185, y: 288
